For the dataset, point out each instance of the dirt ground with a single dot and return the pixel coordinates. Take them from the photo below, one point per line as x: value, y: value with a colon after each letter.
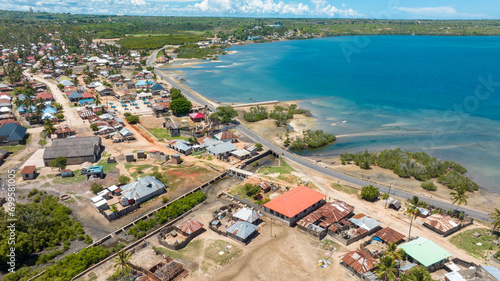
x: 480, y: 200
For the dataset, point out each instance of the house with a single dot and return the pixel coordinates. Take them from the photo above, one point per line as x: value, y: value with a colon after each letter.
x: 141, y: 190
x: 190, y: 227
x: 478, y: 273
x: 157, y: 88
x: 28, y: 172
x: 358, y: 262
x: 441, y: 224
x: 197, y: 117
x: 389, y: 235
x: 221, y: 150
x: 294, y: 204
x: 242, y: 231
x: 326, y: 215
x: 64, y: 131
x: 226, y: 136
x: 95, y: 171
x: 241, y: 154
x: 45, y: 96
x: 426, y: 253
x: 12, y: 134
x: 265, y: 186
x: 250, y: 148
x: 362, y: 221
x: 124, y: 94
x: 247, y: 215
x: 75, y: 96
x: 182, y: 147
x: 104, y: 91
x: 76, y: 150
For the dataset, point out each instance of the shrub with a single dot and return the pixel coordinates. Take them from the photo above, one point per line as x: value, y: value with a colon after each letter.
x: 133, y: 119
x: 428, y: 185
x: 94, y: 127
x: 369, y: 193
x: 251, y: 190
x: 96, y: 188
x: 123, y: 179
x: 127, y: 114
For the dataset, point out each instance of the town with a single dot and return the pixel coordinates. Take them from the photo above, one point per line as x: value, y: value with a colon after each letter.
x: 151, y: 184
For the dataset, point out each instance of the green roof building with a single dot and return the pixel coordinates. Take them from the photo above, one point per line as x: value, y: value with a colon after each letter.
x: 425, y: 252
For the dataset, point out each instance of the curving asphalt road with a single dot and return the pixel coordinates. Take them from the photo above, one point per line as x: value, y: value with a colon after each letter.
x: 314, y: 166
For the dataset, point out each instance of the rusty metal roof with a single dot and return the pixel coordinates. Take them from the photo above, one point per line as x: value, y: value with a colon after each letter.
x: 190, y: 226
x: 389, y: 235
x: 359, y: 260
x: 332, y: 212
x: 440, y: 222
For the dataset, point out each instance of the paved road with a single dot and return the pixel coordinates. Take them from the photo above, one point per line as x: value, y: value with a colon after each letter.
x: 312, y: 165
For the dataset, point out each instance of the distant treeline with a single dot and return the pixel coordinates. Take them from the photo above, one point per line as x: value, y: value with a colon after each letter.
x: 419, y: 165
x: 156, y: 42
x: 18, y: 28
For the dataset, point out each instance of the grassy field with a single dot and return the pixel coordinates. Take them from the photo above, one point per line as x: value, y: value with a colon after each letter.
x: 138, y: 170
x: 188, y: 253
x: 467, y: 242
x: 345, y: 188
x: 217, y: 246
x: 284, y: 168
x: 182, y: 176
x: 78, y: 178
x: 240, y: 191
x: 107, y: 167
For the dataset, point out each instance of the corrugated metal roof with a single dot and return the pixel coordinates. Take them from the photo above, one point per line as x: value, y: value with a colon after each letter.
x: 242, y: 229
x: 364, y: 222
x: 190, y: 226
x: 359, y: 260
x: 425, y: 251
x: 389, y: 235
x: 247, y: 215
x: 332, y: 211
x: 495, y: 272
x: 440, y: 222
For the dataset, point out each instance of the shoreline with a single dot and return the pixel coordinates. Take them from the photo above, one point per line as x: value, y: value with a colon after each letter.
x: 478, y: 199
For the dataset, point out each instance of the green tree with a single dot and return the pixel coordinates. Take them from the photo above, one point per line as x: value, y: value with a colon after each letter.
x: 94, y: 127
x: 96, y: 188
x: 412, y: 210
x: 176, y: 94
x: 181, y: 106
x: 418, y: 273
x: 369, y: 193
x: 386, y: 269
x: 428, y: 185
x: 459, y: 196
x: 495, y: 216
x: 259, y: 146
x: 122, y: 261
x: 97, y: 99
x: 133, y: 119
x: 225, y: 114
x: 123, y: 179
x: 251, y: 189
x: 48, y: 127
x: 59, y: 162
x: 394, y: 252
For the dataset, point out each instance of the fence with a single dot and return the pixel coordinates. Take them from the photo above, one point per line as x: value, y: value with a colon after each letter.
x: 119, y: 214
x: 260, y: 156
x: 176, y: 245
x: 347, y: 242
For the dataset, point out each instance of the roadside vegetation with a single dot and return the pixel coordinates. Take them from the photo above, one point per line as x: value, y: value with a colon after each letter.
x: 311, y: 139
x: 419, y: 165
x: 279, y: 114
x: 193, y: 51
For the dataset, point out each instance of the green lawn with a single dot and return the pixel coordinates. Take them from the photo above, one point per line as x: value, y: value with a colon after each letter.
x: 345, y: 188
x: 191, y: 251
x: 107, y: 167
x: 240, y: 191
x: 15, y: 148
x: 283, y: 168
x: 212, y: 252
x: 78, y: 178
x: 467, y: 242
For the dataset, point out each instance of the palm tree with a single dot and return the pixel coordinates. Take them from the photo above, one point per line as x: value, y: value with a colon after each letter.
x: 459, y: 196
x: 412, y: 209
x: 48, y: 127
x: 97, y: 99
x: 386, y: 270
x: 121, y: 261
x: 495, y: 216
x: 394, y: 252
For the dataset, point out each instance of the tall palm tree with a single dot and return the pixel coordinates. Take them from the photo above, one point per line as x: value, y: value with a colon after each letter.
x: 121, y: 261
x: 394, y: 252
x: 495, y: 216
x: 459, y: 196
x: 412, y: 209
x: 97, y: 99
x: 419, y: 273
x: 386, y: 270
x: 48, y: 127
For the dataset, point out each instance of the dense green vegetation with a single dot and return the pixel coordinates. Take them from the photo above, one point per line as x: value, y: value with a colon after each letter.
x: 428, y: 185
x: 190, y: 51
x: 280, y: 114
x: 419, y: 165
x: 312, y: 139
x: 224, y: 114
x: 173, y: 210
x: 41, y: 225
x: 156, y: 42
x: 369, y: 193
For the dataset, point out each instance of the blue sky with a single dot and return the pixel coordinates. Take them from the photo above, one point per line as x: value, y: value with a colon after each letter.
x: 387, y: 9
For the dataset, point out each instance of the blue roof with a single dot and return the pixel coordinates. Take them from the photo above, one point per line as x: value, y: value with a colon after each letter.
x: 95, y: 169
x: 495, y: 272
x: 143, y: 82
x: 221, y: 148
x: 86, y: 101
x: 67, y: 83
x: 242, y: 229
x: 49, y: 109
x: 23, y: 109
x: 142, y: 187
x: 75, y: 95
x: 21, y: 97
x: 157, y: 86
x: 14, y: 131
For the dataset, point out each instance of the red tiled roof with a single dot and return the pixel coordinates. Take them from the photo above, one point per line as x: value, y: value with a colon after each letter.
x: 87, y: 95
x: 389, y: 235
x: 359, y: 260
x: 190, y: 226
x: 43, y: 95
x: 196, y: 115
x: 28, y: 170
x: 294, y: 201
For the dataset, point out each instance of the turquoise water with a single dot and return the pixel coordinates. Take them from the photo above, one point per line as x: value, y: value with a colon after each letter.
x: 419, y: 93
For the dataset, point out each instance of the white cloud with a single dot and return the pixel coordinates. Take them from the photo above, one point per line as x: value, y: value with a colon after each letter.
x: 438, y: 12
x: 138, y: 2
